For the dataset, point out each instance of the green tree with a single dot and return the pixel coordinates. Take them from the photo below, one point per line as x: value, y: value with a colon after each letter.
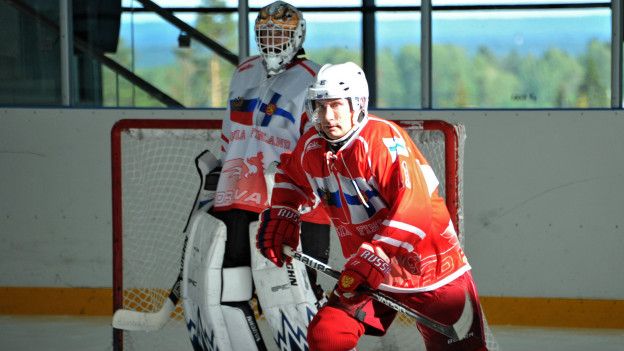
x: 593, y: 91
x: 547, y: 81
x: 334, y: 55
x: 390, y: 92
x: 117, y: 91
x: 559, y: 79
x: 450, y: 75
x: 493, y: 85
x: 199, y: 77
x: 408, y: 64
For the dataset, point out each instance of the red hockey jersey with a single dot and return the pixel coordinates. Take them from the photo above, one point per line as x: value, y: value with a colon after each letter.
x: 377, y: 188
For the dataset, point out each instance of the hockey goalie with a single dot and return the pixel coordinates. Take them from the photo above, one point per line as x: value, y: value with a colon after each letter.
x: 222, y: 269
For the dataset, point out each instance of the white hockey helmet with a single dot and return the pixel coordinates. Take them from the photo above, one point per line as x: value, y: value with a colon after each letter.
x: 338, y: 81
x: 280, y: 31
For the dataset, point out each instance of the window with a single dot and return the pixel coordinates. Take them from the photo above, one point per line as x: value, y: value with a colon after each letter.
x: 484, y: 53
x: 549, y: 58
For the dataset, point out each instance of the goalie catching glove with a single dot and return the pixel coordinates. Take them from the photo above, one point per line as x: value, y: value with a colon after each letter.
x: 279, y: 226
x: 370, y: 266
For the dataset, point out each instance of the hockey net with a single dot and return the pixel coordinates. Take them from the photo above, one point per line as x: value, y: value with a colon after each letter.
x: 154, y: 186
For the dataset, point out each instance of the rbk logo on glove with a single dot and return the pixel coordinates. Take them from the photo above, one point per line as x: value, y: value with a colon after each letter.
x: 288, y: 213
x: 278, y: 226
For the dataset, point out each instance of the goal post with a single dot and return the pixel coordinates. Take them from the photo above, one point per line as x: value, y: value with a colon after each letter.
x: 154, y: 183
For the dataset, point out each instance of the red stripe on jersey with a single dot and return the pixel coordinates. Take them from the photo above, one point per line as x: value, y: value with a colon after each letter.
x: 223, y: 137
x: 253, y: 58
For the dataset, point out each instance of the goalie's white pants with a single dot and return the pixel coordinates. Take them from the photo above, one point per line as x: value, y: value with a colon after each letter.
x: 216, y: 306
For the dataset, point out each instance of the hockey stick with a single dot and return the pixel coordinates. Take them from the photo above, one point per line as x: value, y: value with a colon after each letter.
x: 456, y: 331
x: 147, y: 321
x: 151, y: 321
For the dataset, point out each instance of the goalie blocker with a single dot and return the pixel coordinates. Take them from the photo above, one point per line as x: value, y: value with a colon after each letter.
x: 216, y: 299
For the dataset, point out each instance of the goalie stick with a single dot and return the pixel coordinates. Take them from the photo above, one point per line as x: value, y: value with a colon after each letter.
x: 456, y: 331
x: 146, y: 321
x: 150, y: 321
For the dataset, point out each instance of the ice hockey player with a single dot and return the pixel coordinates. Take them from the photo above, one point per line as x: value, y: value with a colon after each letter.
x: 382, y: 198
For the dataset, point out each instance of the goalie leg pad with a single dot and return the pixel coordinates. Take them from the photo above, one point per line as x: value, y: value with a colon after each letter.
x: 236, y: 284
x: 211, y: 325
x: 206, y: 164
x: 285, y: 296
x: 240, y: 320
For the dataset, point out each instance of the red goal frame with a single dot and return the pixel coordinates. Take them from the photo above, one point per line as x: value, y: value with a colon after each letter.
x: 453, y: 155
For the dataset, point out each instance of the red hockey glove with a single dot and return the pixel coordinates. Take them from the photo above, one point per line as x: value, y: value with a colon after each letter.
x: 278, y: 226
x: 369, y: 266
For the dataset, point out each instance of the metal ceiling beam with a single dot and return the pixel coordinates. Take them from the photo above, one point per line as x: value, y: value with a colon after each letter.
x: 194, y: 33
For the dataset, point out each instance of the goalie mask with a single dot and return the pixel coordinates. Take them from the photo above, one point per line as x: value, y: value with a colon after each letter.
x: 280, y: 31
x: 339, y: 81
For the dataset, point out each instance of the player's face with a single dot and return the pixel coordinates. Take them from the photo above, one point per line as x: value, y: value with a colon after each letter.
x: 335, y: 117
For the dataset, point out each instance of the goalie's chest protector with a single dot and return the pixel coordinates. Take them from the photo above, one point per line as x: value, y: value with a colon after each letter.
x: 264, y: 120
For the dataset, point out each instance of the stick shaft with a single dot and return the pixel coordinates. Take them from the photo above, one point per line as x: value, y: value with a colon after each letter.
x: 449, y: 330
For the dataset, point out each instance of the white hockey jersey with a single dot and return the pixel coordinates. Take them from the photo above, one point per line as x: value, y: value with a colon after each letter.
x: 265, y: 118
x: 378, y: 188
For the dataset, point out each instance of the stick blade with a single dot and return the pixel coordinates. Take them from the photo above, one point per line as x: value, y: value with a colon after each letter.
x: 143, y: 321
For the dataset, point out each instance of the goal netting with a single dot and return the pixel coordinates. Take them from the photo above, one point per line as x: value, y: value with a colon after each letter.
x: 154, y: 187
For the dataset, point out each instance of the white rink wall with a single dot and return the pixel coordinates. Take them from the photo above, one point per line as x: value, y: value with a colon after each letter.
x: 543, y: 197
